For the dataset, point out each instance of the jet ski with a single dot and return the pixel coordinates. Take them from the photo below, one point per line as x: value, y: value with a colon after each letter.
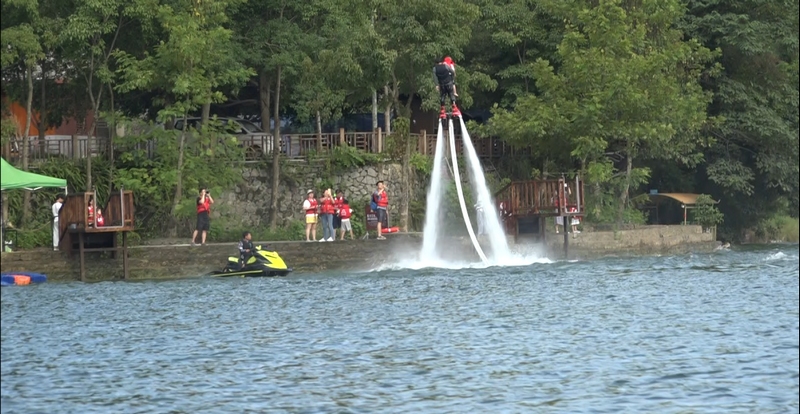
x: 261, y: 263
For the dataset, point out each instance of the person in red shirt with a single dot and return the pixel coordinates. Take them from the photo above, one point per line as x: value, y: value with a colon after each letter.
x: 337, y: 205
x: 90, y: 210
x: 204, y: 202
x: 310, y: 206
x: 381, y: 200
x: 100, y: 220
x: 345, y: 212
x: 326, y: 211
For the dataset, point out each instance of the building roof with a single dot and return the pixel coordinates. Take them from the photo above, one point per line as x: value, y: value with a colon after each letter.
x: 684, y: 198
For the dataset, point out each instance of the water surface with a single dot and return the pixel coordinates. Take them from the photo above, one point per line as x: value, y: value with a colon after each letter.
x: 694, y: 333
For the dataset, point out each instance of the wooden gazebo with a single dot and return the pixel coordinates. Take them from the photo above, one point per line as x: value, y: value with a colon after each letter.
x: 81, y: 234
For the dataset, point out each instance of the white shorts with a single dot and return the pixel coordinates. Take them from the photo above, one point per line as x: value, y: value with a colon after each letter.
x: 346, y: 225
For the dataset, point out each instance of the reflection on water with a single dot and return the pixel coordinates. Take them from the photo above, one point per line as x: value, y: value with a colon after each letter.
x: 708, y: 333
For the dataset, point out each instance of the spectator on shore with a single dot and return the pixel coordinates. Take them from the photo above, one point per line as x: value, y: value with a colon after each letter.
x: 90, y: 210
x: 574, y: 220
x: 337, y: 205
x: 56, y: 208
x: 99, y: 220
x: 345, y: 212
x: 381, y: 200
x: 204, y: 202
x: 326, y: 215
x: 310, y: 207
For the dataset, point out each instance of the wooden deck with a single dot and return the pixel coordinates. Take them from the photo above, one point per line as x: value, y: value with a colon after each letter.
x: 80, y: 233
x: 539, y: 199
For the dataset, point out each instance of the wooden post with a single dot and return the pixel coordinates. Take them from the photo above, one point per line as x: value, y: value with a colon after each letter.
x: 76, y: 148
x: 566, y: 238
x: 125, y: 255
x: 378, y: 141
x: 80, y: 249
x: 7, y: 150
x: 341, y: 137
x: 424, y: 142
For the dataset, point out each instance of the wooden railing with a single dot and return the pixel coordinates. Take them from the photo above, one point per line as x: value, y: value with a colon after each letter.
x: 259, y: 146
x: 555, y: 197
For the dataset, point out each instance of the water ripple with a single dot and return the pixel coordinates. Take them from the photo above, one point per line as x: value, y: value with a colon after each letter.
x: 694, y: 333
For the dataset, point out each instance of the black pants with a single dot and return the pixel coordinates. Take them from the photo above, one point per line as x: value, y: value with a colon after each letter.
x: 243, y: 258
x: 447, y: 90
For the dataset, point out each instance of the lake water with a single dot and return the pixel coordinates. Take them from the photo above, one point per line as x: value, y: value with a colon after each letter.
x: 694, y: 333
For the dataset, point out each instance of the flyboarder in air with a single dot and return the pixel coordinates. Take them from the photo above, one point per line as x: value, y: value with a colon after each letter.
x: 445, y: 74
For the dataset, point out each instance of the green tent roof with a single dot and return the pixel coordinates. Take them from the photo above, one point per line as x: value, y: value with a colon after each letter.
x: 11, y: 178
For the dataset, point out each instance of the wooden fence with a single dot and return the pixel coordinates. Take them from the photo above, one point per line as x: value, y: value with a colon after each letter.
x: 259, y: 146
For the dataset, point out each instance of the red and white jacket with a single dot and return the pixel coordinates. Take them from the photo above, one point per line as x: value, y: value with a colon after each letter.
x: 310, y: 205
x: 345, y: 212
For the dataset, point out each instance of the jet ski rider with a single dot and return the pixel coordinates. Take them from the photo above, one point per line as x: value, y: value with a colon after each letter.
x: 245, y: 249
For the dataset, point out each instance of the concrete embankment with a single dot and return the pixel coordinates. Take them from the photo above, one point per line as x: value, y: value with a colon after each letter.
x: 168, y: 261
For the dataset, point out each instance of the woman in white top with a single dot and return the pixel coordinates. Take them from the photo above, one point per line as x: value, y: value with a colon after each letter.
x: 56, y: 208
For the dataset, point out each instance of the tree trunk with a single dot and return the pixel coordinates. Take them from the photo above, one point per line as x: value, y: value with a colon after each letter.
x: 319, y: 132
x: 276, y: 155
x: 623, y: 199
x: 264, y: 100
x: 26, y: 143
x: 387, y: 114
x: 206, y: 113
x: 405, y: 133
x: 374, y: 110
x: 112, y: 133
x: 42, y: 125
x: 179, y: 177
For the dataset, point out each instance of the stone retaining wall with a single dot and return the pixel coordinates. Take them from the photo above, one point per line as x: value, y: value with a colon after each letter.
x: 248, y: 203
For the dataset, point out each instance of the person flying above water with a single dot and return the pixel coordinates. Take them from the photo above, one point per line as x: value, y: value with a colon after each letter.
x: 445, y: 74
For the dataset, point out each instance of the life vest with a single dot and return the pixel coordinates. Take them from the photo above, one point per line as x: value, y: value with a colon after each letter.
x: 338, y: 202
x: 100, y: 220
x: 445, y: 73
x: 312, y: 206
x: 91, y: 215
x: 383, y: 200
x: 204, y: 206
x: 345, y: 212
x: 327, y: 206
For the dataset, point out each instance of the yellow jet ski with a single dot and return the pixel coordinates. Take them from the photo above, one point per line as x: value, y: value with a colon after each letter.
x: 261, y: 263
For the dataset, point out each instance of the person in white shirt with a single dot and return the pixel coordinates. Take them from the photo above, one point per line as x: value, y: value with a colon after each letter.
x: 56, y: 208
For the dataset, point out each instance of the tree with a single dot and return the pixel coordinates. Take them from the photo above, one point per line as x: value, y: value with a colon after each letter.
x: 754, y: 160
x: 191, y: 66
x: 627, y: 88
x: 22, y: 47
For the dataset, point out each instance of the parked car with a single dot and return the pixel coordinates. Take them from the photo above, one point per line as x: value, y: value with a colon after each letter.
x: 250, y: 135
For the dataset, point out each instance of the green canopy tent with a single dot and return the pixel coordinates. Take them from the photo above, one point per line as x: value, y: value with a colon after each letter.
x: 12, y: 178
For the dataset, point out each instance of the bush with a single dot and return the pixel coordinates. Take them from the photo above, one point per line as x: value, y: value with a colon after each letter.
x: 706, y: 212
x: 779, y: 227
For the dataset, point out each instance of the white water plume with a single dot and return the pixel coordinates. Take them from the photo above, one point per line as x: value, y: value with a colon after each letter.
x: 488, y: 211
x: 433, y: 203
x: 457, y: 178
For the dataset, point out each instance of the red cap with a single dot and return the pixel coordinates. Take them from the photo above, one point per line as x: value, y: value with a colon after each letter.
x: 448, y: 60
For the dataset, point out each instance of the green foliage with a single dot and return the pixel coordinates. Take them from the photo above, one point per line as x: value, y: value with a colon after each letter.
x: 706, y: 212
x: 778, y: 227
x: 421, y: 164
x: 210, y: 161
x: 346, y: 157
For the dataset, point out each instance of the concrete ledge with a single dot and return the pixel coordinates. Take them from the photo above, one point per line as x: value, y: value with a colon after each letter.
x: 183, y: 260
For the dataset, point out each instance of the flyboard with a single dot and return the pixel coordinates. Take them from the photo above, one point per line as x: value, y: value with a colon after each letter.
x: 457, y: 178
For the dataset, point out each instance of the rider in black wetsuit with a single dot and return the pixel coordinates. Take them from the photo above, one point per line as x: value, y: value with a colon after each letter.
x: 245, y: 249
x: 445, y: 74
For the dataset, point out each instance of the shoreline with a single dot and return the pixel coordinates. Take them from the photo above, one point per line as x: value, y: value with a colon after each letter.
x: 181, y: 260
